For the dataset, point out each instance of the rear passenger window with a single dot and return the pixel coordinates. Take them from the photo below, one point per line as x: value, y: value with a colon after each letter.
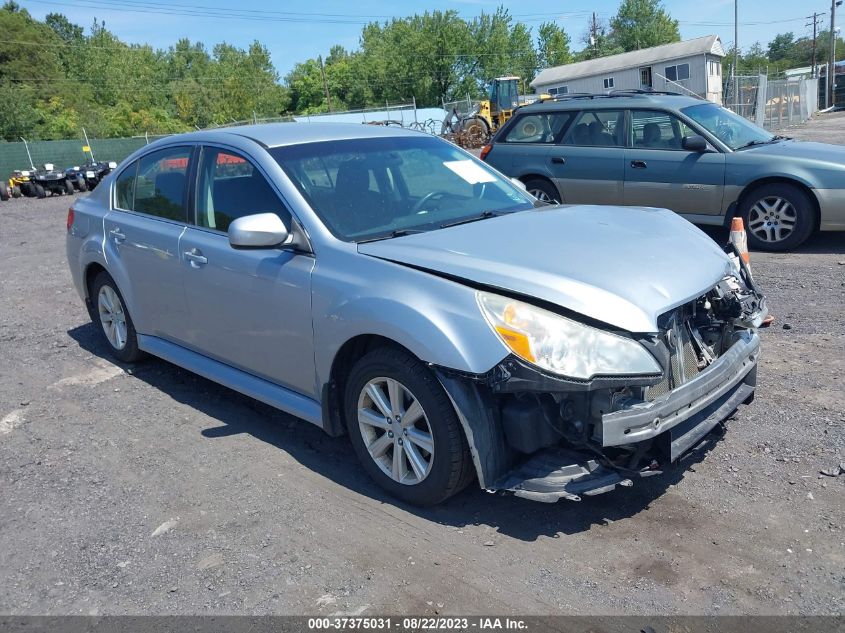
x: 599, y: 128
x: 161, y: 183
x: 231, y: 187
x: 538, y: 128
x: 124, y: 196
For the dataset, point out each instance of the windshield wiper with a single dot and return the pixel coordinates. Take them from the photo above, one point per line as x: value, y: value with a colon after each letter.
x: 774, y: 139
x: 473, y: 218
x: 392, y: 234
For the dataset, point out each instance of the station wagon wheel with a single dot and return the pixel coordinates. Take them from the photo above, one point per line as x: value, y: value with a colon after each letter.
x: 109, y: 308
x: 543, y: 190
x: 778, y: 217
x: 395, y: 430
x: 404, y: 428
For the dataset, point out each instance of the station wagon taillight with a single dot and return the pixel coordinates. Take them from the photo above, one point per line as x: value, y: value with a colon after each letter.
x: 70, y: 214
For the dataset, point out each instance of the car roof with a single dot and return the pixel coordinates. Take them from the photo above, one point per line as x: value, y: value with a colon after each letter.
x: 614, y: 100
x: 294, y: 133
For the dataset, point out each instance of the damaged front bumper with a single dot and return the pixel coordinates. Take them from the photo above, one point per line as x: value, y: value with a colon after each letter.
x: 672, y: 425
x: 546, y: 438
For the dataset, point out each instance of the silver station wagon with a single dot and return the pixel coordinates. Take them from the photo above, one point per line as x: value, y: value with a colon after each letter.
x: 387, y: 285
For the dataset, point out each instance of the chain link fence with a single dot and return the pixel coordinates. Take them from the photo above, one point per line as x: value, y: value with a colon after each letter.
x: 773, y: 103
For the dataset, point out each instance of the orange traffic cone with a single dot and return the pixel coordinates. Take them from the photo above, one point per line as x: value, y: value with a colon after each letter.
x: 740, y: 241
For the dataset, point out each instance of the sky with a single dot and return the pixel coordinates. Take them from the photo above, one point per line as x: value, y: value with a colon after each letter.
x: 297, y: 31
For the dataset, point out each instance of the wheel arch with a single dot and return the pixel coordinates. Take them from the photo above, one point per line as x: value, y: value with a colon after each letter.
x: 777, y: 180
x: 524, y: 178
x: 332, y: 395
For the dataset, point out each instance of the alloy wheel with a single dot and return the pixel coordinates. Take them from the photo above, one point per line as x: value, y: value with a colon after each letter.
x: 112, y: 317
x: 395, y: 430
x: 772, y: 219
x: 541, y: 195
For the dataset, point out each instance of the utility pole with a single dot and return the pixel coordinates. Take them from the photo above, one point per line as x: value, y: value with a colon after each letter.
x: 736, y: 51
x: 831, y: 68
x: 594, y: 35
x: 815, y: 18
x: 325, y: 83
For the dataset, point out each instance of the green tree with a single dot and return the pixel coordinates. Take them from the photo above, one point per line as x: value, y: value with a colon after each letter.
x: 643, y: 24
x: 781, y: 47
x: 552, y: 45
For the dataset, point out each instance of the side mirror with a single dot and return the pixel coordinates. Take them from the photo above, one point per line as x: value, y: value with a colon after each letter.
x: 694, y: 143
x: 262, y: 230
x: 519, y: 184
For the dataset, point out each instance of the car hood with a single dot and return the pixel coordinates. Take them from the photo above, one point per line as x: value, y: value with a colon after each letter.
x: 823, y: 152
x: 624, y: 266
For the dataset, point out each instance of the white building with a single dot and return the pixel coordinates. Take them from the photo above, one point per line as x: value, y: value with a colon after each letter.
x: 693, y: 65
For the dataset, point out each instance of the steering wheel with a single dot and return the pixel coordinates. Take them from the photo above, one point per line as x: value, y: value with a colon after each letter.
x: 725, y: 133
x: 437, y: 193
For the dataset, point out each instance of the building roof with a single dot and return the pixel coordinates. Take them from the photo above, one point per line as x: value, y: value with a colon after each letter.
x: 710, y: 44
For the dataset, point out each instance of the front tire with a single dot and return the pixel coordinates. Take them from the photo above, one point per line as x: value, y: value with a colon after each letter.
x: 39, y: 191
x: 108, y: 308
x: 543, y: 190
x: 4, y: 191
x: 404, y: 428
x: 777, y: 217
x: 69, y: 187
x: 16, y: 191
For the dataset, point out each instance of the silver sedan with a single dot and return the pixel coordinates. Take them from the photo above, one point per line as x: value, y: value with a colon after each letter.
x: 385, y: 284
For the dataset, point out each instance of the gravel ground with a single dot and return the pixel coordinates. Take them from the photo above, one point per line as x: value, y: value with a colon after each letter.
x: 147, y: 490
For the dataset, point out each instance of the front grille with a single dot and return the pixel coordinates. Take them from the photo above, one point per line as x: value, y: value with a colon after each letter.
x: 684, y: 363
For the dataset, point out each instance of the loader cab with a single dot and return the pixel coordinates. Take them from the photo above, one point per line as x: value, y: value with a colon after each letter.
x: 504, y: 97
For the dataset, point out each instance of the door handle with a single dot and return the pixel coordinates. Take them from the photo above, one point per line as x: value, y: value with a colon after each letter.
x: 117, y: 236
x: 558, y: 160
x: 639, y: 164
x: 195, y: 258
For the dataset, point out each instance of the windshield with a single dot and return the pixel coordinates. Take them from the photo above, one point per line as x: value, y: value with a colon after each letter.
x: 381, y: 187
x: 730, y: 128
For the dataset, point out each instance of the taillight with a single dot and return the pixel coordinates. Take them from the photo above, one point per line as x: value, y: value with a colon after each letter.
x: 70, y: 215
x: 485, y: 150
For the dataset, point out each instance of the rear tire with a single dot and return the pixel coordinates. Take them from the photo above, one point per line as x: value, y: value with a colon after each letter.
x: 777, y: 217
x: 391, y: 444
x: 108, y: 306
x: 4, y: 191
x: 69, y: 187
x: 543, y: 190
x: 39, y: 191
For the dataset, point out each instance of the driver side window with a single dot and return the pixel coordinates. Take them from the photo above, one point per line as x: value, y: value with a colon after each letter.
x: 231, y: 187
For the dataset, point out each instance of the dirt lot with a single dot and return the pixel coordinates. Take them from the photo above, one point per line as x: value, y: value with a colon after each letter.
x: 146, y: 489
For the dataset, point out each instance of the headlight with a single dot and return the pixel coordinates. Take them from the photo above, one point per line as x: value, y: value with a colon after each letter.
x: 112, y: 165
x: 90, y: 174
x: 563, y: 346
x: 24, y: 174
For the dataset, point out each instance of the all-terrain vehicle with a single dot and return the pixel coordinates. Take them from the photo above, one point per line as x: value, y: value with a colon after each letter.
x: 20, y: 183
x: 94, y: 172
x: 52, y: 180
x: 76, y: 176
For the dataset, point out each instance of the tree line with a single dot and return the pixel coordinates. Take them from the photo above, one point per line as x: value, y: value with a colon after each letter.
x: 57, y: 77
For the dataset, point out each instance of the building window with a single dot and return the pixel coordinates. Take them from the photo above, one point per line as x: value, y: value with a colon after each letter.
x: 679, y: 72
x: 715, y: 69
x: 645, y: 77
x: 608, y: 83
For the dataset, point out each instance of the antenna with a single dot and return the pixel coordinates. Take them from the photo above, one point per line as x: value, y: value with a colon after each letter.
x: 26, y: 145
x: 88, y: 144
